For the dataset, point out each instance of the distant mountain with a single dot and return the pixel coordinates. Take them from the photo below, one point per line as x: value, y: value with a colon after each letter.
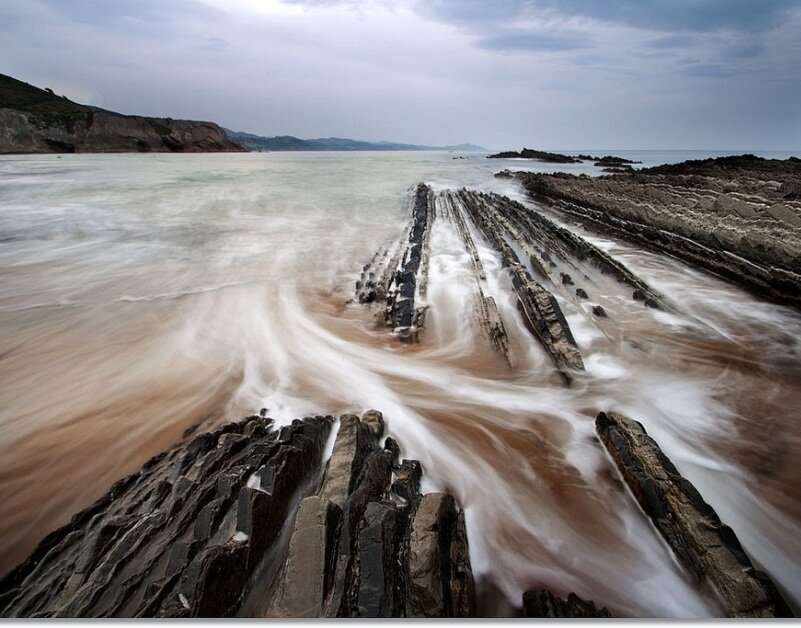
x: 290, y: 143
x: 34, y: 120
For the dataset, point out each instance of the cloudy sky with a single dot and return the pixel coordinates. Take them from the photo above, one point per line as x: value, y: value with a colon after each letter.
x: 553, y: 74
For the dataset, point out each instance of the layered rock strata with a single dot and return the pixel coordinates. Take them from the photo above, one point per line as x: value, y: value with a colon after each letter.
x: 486, y: 308
x: 738, y: 217
x: 539, y: 307
x: 34, y: 120
x: 707, y: 548
x: 398, y: 281
x: 245, y: 521
x: 553, y: 240
x: 396, y: 276
x: 543, y: 604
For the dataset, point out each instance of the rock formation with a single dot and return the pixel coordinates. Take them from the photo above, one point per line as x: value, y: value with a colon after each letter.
x: 540, y: 309
x: 542, y: 604
x: 397, y: 281
x: 703, y: 544
x: 508, y: 227
x: 486, y: 307
x: 248, y: 521
x: 539, y: 155
x: 245, y: 521
x: 738, y: 217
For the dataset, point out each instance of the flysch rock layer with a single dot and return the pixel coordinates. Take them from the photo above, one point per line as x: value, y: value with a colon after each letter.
x: 707, y: 548
x: 106, y: 132
x: 486, y: 308
x: 245, y: 521
x: 554, y: 240
x: 542, y: 604
x: 529, y: 245
x: 539, y: 307
x: 738, y: 217
x: 397, y: 281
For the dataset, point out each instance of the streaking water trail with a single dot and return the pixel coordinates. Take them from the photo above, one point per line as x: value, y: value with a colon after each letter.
x: 143, y: 295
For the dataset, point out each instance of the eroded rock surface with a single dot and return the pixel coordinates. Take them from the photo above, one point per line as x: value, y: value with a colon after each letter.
x: 34, y: 120
x: 536, y: 252
x: 541, y: 310
x: 486, y: 308
x: 738, y: 217
x: 708, y: 548
x: 543, y: 604
x: 245, y: 521
x: 398, y: 280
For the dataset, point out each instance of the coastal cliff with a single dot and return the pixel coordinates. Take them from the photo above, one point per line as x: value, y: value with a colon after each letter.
x: 34, y: 120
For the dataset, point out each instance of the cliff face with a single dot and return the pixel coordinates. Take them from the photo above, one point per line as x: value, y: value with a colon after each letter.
x: 100, y: 132
x: 33, y: 120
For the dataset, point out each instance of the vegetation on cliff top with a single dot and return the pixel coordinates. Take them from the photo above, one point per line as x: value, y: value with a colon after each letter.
x: 44, y: 108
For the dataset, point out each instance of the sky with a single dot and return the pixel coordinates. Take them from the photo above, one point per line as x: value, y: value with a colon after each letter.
x: 548, y: 74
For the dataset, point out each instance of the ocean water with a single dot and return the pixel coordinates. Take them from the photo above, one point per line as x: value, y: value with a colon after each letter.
x: 141, y: 295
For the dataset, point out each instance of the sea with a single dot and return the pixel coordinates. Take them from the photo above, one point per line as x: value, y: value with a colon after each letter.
x: 142, y: 295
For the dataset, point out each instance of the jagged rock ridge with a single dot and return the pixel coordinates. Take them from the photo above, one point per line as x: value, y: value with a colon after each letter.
x: 508, y: 227
x: 703, y: 544
x: 399, y: 280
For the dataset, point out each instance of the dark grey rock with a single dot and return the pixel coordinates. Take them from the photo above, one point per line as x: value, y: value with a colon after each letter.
x: 706, y: 547
x: 543, y: 604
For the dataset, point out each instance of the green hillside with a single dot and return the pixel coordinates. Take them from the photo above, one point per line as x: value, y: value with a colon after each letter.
x: 43, y: 107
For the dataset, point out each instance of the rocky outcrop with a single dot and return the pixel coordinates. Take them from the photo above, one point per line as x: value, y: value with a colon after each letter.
x: 510, y: 228
x: 539, y: 155
x: 703, y: 544
x: 543, y: 604
x: 607, y: 161
x: 486, y: 308
x: 557, y: 241
x: 736, y: 217
x: 396, y: 282
x: 610, y: 161
x: 182, y: 537
x: 539, y: 307
x: 245, y: 521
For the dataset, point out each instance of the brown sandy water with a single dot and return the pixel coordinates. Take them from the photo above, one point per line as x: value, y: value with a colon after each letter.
x: 143, y: 295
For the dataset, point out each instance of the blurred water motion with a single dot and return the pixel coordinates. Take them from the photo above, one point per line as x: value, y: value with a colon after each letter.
x: 141, y: 295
